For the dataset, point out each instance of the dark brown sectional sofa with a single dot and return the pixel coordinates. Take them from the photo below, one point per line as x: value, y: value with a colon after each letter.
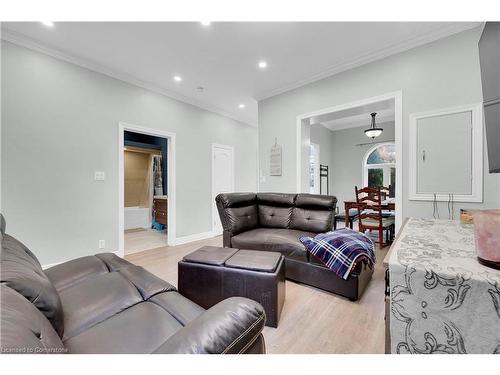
x: 104, y: 304
x: 275, y: 221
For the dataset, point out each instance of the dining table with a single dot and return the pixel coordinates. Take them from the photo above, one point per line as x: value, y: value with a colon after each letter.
x: 388, y: 204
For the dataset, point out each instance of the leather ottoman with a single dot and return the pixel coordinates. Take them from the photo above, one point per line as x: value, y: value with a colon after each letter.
x: 212, y: 274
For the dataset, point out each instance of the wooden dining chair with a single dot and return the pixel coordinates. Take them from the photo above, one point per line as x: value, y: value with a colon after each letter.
x: 370, y: 216
x: 385, y: 193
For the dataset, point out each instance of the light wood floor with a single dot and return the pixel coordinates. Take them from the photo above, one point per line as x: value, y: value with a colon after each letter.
x: 312, y: 321
x: 137, y: 240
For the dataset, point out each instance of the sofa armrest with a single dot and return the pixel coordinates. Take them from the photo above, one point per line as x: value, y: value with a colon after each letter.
x: 230, y: 327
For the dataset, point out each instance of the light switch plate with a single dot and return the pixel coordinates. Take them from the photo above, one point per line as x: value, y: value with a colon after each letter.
x: 99, y: 176
x: 102, y: 244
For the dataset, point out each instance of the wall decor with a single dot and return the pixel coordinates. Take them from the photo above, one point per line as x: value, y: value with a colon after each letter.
x: 276, y: 159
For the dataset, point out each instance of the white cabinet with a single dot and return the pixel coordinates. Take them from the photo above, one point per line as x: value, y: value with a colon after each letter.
x: 446, y: 154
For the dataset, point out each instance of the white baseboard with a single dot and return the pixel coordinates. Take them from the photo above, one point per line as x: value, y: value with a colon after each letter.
x: 45, y: 266
x: 194, y: 237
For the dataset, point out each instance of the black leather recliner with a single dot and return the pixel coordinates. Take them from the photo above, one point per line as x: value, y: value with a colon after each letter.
x: 275, y: 221
x: 104, y: 304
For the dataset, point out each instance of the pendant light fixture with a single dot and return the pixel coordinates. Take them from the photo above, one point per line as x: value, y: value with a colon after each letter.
x: 373, y: 131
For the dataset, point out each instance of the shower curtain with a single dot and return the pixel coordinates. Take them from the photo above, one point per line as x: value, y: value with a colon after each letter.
x: 158, y: 175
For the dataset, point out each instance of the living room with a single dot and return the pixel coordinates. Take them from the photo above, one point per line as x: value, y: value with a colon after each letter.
x: 284, y: 204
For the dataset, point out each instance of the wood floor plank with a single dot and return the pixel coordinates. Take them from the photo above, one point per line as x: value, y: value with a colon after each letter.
x: 312, y: 320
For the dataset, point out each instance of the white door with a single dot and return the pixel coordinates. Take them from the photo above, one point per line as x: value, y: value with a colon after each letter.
x: 222, y: 178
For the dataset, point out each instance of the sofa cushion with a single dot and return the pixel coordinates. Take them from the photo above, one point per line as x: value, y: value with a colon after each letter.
x: 236, y: 200
x: 75, y: 271
x: 141, y: 328
x: 285, y: 241
x: 316, y: 201
x: 274, y: 217
x: 145, y: 282
x: 96, y: 299
x: 313, y: 213
x: 238, y: 211
x: 317, y: 221
x: 182, y: 309
x: 22, y: 272
x: 24, y: 328
x: 276, y: 199
x: 242, y: 218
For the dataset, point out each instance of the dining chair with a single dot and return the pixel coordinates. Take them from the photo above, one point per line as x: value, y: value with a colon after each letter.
x: 385, y: 193
x: 370, y: 216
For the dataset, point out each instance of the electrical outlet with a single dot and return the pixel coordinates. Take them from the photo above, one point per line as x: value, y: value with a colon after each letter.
x: 99, y: 176
x: 102, y: 244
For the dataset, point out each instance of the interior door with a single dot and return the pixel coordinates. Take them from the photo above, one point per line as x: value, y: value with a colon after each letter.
x: 222, y: 178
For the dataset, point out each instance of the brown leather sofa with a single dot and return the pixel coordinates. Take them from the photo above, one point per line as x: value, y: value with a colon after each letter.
x: 275, y: 221
x: 104, y: 304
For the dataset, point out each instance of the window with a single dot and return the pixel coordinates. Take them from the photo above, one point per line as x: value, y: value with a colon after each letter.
x: 379, y: 167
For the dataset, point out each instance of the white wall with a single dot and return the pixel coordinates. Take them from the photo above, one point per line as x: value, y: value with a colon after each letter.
x: 60, y: 124
x: 438, y: 75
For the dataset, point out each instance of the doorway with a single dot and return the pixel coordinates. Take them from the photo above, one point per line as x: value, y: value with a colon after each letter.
x: 146, y: 189
x: 222, y: 179
x: 346, y: 116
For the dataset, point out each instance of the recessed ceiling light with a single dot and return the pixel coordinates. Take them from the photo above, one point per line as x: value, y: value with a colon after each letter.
x: 48, y: 23
x: 262, y: 64
x: 242, y: 106
x: 205, y: 23
x: 177, y: 78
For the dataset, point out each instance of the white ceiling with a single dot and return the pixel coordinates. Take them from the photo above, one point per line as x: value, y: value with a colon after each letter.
x: 223, y: 57
x: 356, y: 116
x: 363, y: 119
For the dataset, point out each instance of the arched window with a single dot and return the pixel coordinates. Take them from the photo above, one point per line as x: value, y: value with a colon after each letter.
x: 379, y: 166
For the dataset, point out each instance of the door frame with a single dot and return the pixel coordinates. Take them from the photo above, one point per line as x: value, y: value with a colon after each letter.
x: 171, y: 184
x: 214, y: 208
x: 397, y: 96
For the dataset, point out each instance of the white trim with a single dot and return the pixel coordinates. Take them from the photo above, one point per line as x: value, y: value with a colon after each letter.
x: 371, y: 57
x: 477, y: 154
x: 27, y: 42
x: 194, y: 237
x: 214, y: 210
x: 45, y: 266
x: 172, y: 217
x: 397, y: 96
x: 365, y: 166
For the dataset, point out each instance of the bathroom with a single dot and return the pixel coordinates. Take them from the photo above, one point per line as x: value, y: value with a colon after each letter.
x: 145, y: 192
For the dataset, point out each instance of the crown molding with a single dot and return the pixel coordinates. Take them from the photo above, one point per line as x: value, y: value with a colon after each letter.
x: 371, y: 57
x: 24, y: 41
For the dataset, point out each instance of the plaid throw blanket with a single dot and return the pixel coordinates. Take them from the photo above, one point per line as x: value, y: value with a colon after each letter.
x: 341, y: 250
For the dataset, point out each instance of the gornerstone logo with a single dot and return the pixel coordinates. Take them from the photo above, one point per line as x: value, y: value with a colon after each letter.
x: 30, y: 350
